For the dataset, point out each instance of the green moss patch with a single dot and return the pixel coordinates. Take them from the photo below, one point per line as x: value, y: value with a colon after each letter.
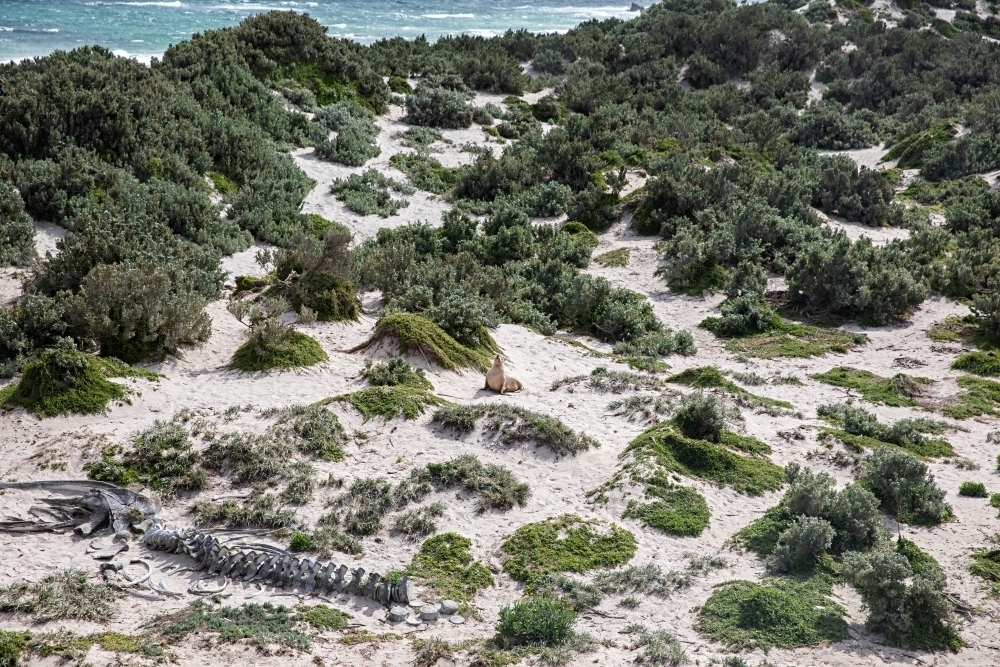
x: 899, y: 391
x: 978, y: 363
x: 445, y: 563
x: 618, y: 257
x: 761, y: 535
x: 978, y: 397
x: 418, y: 335
x: 300, y: 351
x: 744, y: 615
x: 706, y: 377
x: 390, y: 402
x: 513, y: 424
x: 565, y: 544
x: 66, y: 381
x: 675, y: 510
x: 668, y: 448
x: 789, y: 339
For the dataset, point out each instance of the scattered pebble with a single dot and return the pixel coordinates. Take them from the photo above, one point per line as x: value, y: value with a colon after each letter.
x: 457, y: 620
x: 429, y: 612
x: 449, y: 607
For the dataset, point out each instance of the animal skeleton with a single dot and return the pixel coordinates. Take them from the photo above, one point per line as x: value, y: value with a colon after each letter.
x: 97, y: 503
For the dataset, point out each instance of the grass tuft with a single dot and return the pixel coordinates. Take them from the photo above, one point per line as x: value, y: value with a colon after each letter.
x: 973, y: 490
x: 162, y: 458
x: 899, y: 391
x: 61, y: 596
x: 513, y: 424
x: 258, y: 510
x: 565, y: 544
x: 744, y: 615
x: 300, y: 351
x: 495, y: 486
x: 394, y: 373
x: 419, y: 521
x: 316, y: 430
x: 446, y: 564
x: 418, y: 335
x: 322, y: 617
x: 706, y: 377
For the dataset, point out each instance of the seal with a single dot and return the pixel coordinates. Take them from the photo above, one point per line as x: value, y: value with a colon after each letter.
x: 498, y: 380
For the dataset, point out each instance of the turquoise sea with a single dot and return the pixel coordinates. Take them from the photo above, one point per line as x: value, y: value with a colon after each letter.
x: 144, y: 28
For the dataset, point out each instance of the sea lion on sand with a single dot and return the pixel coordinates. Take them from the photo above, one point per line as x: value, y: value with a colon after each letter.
x: 498, y: 380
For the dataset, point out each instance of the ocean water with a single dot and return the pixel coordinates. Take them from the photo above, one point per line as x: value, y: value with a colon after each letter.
x: 145, y: 28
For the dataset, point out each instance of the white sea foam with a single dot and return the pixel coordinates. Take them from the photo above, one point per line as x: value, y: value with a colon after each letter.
x: 447, y: 16
x: 174, y: 4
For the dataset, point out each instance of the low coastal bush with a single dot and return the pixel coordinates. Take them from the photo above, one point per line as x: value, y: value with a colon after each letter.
x: 745, y: 615
x: 272, y: 344
x: 445, y: 563
x: 390, y: 402
x: 432, y: 105
x: 419, y: 521
x: 64, y: 380
x: 904, y: 486
x: 356, y: 132
x: 162, y: 458
x: 565, y: 544
x: 674, y: 510
x: 367, y: 193
x: 424, y: 172
x: 665, y: 446
x: 394, y: 373
x: 258, y: 510
x: 261, y: 625
x: 978, y: 396
x: 862, y: 430
x: 979, y: 363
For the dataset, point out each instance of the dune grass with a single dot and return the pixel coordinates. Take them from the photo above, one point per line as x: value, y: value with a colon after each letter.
x: 261, y: 625
x: 744, y: 615
x: 64, y: 595
x: 390, y: 402
x: 565, y: 544
x: 958, y: 330
x: 495, y: 487
x: 898, y: 391
x: 300, y: 351
x: 418, y: 335
x: 513, y: 424
x: 790, y: 339
x: 674, y: 510
x: 665, y: 446
x: 986, y: 364
x: 617, y: 257
x: 707, y: 377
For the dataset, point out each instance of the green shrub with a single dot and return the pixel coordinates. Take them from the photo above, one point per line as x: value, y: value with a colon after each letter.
x: 658, y: 344
x: 356, y: 133
x: 424, y: 172
x: 801, y: 546
x: 434, y: 106
x: 17, y: 232
x: 393, y: 373
x: 917, y: 613
x: 64, y: 380
x: 904, y: 487
x: 973, y: 490
x: 263, y: 625
x: 701, y: 416
x: 446, y: 564
x: 416, y: 334
x: 316, y: 431
x: 367, y: 193
x: 265, y: 351
x: 419, y: 522
x: 744, y: 615
x: 258, y: 510
x: 12, y: 644
x: 535, y: 621
x: 565, y: 544
x: 322, y: 617
x: 299, y: 542
x: 978, y: 397
x: 862, y: 429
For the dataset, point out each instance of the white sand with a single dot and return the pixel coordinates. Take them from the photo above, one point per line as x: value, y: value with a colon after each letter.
x: 199, y: 381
